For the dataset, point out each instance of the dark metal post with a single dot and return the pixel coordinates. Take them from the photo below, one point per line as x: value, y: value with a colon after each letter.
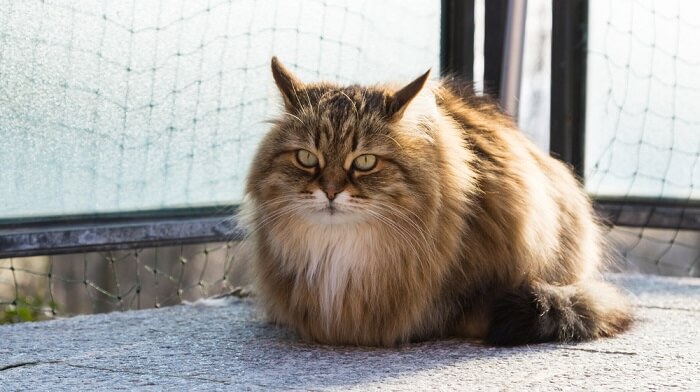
x: 568, y: 98
x: 457, y: 40
x: 495, y: 15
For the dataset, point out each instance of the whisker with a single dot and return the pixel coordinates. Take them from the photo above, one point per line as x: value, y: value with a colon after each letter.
x: 419, y: 232
x: 354, y: 108
x: 294, y: 117
x: 405, y: 235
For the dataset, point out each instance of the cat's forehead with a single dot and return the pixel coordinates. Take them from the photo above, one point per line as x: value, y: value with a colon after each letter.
x: 345, y: 118
x: 347, y: 101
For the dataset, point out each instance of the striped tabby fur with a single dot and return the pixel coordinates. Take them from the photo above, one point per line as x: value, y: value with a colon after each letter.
x: 461, y: 228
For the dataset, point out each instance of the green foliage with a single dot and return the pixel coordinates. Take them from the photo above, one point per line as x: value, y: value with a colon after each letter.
x: 27, y: 309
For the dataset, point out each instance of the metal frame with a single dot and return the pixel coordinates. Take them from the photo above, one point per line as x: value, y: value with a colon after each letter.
x: 568, y: 127
x: 674, y: 214
x: 495, y: 17
x: 568, y: 90
x: 513, y: 50
x: 118, y: 231
x: 457, y: 38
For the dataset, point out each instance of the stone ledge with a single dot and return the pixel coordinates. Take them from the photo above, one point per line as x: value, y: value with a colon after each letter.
x: 224, y: 345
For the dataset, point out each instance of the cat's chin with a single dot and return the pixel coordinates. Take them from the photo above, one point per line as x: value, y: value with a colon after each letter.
x: 333, y: 217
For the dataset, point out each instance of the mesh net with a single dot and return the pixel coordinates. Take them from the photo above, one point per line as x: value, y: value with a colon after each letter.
x: 145, y: 104
x: 107, y: 107
x: 644, y: 85
x: 98, y: 102
x: 642, y: 137
x: 36, y: 288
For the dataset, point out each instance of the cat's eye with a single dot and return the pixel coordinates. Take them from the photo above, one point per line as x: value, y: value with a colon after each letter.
x: 307, y: 158
x: 365, y: 162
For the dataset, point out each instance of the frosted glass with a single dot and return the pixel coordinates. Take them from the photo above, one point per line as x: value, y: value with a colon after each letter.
x: 129, y: 105
x: 643, y: 99
x: 535, y: 84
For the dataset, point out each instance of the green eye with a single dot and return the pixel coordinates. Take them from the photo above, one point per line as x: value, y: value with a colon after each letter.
x: 306, y: 158
x: 365, y: 162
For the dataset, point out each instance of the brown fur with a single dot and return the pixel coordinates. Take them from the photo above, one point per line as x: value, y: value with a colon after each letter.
x: 463, y: 228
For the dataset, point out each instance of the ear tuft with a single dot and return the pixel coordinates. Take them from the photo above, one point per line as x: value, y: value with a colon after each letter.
x: 288, y: 84
x: 399, y: 100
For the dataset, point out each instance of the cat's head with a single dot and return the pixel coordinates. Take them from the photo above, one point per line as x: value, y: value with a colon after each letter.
x: 347, y: 154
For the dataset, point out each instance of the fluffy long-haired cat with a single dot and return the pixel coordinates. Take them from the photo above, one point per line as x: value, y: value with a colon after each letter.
x: 385, y: 214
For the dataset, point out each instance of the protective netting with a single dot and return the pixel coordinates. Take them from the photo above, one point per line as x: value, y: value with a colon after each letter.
x: 147, y: 104
x: 657, y: 251
x: 36, y: 288
x: 643, y: 122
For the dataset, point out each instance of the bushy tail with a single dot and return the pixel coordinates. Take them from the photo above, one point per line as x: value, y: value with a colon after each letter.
x: 540, y: 312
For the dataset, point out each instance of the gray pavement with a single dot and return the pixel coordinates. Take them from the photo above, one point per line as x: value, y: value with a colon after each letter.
x: 225, y: 345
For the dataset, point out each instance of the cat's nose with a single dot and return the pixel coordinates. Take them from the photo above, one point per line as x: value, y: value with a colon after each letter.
x: 332, y: 182
x: 331, y: 191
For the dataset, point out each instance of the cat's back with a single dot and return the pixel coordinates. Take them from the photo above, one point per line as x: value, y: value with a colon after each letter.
x: 525, y: 197
x: 499, y: 147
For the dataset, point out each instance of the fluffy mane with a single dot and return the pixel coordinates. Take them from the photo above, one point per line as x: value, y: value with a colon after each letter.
x: 385, y: 214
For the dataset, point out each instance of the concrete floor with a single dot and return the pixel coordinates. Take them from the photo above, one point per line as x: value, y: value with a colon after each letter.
x: 224, y: 345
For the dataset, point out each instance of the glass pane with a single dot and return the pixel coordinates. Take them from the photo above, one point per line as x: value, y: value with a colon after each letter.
x: 144, y: 104
x: 643, y: 99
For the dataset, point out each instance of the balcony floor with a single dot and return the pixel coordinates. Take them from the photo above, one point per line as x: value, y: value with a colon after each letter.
x: 224, y: 345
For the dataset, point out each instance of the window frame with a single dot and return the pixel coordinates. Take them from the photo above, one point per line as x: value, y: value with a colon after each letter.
x: 568, y: 127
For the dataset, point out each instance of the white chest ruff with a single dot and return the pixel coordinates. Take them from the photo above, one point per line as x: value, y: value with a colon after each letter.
x: 331, y: 256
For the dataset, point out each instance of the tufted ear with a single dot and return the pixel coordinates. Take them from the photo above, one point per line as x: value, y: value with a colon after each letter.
x: 399, y: 100
x: 288, y: 84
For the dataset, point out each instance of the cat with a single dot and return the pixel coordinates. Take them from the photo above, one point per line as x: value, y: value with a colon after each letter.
x: 381, y: 215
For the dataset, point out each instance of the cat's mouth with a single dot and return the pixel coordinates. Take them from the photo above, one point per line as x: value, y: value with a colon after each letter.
x: 332, y: 214
x: 328, y: 209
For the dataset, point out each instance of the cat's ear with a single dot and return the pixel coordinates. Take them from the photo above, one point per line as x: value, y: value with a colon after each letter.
x: 288, y: 84
x: 399, y: 100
